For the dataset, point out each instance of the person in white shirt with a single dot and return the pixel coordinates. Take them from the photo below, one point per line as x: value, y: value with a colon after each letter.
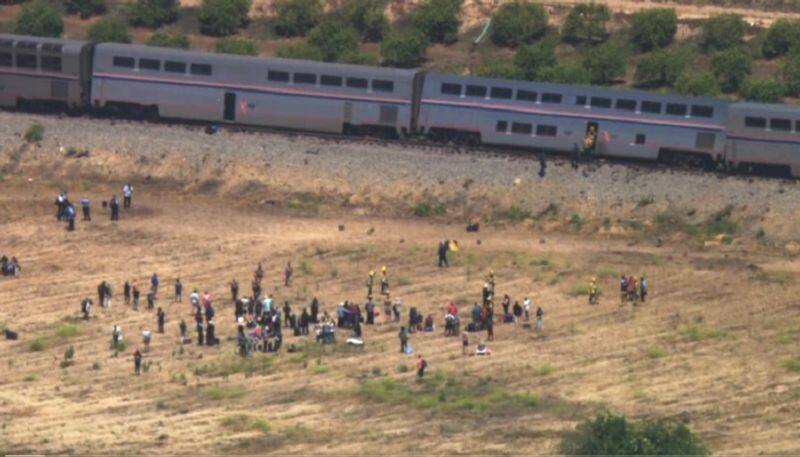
x: 127, y: 193
x: 526, y: 305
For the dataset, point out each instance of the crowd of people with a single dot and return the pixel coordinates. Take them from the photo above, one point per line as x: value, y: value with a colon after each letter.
x: 65, y: 211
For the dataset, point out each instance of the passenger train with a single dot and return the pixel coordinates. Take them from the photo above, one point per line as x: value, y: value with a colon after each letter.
x: 335, y: 98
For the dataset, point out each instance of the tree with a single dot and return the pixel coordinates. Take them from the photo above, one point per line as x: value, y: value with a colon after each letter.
x: 533, y: 57
x: 334, y: 39
x: 302, y: 51
x: 614, y: 435
x: 659, y: 68
x: 296, y: 17
x: 763, y: 90
x: 236, y: 46
x: 439, y: 20
x: 698, y: 85
x: 791, y: 73
x: 169, y: 40
x: 606, y: 63
x: 368, y: 17
x: 497, y: 69
x: 586, y: 23
x: 723, y: 31
x: 731, y: 67
x: 783, y: 35
x: 404, y: 49
x: 654, y: 28
x: 39, y: 19
x: 85, y: 8
x: 223, y: 17
x: 518, y: 23
x: 109, y: 30
x: 565, y: 73
x: 153, y: 13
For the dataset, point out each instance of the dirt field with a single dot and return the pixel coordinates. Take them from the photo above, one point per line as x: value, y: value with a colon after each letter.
x: 714, y: 346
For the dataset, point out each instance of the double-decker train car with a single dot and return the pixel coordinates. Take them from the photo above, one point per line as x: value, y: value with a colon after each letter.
x: 292, y: 94
x: 763, y: 138
x: 34, y: 69
x: 629, y: 124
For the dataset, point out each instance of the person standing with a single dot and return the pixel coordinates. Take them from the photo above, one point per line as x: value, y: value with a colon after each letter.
x: 287, y: 274
x: 403, y: 340
x: 199, y: 319
x: 151, y: 300
x: 86, y: 308
x: 304, y: 320
x: 464, y: 342
x: 443, y: 254
x: 127, y: 194
x: 314, y: 310
x: 114, y: 205
x: 539, y: 318
x: 136, y: 295
x: 178, y: 291
x: 126, y: 291
x: 87, y: 216
x: 183, y: 328
x: 146, y: 336
x: 70, y: 215
x: 62, y: 196
x: 287, y: 312
x: 526, y: 305
x: 137, y: 362
x: 384, y: 282
x: 422, y: 364
x: 160, y: 316
x: 370, y: 309
x: 234, y: 290
x: 490, y: 324
x: 154, y: 284
x: 370, y: 282
x: 643, y: 288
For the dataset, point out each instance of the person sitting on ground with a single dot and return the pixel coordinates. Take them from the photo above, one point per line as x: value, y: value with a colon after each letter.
x: 482, y: 349
x: 429, y: 325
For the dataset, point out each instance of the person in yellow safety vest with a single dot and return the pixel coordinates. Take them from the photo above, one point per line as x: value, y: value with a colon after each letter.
x: 593, y: 291
x: 589, y: 140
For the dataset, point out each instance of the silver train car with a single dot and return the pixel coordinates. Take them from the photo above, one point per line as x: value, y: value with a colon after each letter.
x: 292, y: 94
x: 764, y: 138
x: 627, y: 124
x: 34, y: 69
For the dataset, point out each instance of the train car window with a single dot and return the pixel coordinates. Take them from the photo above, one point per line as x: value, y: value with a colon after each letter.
x: 52, y: 48
x: 581, y: 100
x: 521, y: 128
x: 526, y: 95
x: 5, y: 59
x: 797, y: 127
x: 546, y: 130
x: 677, y: 109
x: 174, y: 67
x: 51, y: 63
x: 150, y: 64
x: 278, y: 76
x: 357, y: 83
x: 551, y: 98
x: 124, y: 62
x: 702, y: 111
x: 640, y: 138
x: 328, y: 80
x: 781, y: 125
x: 755, y: 122
x: 27, y: 45
x: 26, y: 61
x: 501, y: 126
x: 626, y: 104
x: 501, y: 92
x: 476, y: 91
x: 304, y: 78
x: 382, y: 85
x: 651, y: 107
x: 451, y: 89
x: 202, y: 69
x: 6, y: 43
x: 601, y: 102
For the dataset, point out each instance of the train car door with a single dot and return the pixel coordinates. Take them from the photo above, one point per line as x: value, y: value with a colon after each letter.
x: 590, y: 138
x: 230, y: 107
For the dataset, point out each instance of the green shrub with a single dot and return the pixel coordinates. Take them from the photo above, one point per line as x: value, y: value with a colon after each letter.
x: 654, y: 28
x: 357, y: 57
x: 763, y: 90
x: 30, y: 378
x: 656, y: 352
x: 513, y: 214
x: 224, y: 393
x: 723, y: 31
x: 576, y: 221
x: 153, y: 13
x: 368, y: 17
x: 169, y: 40
x: 530, y: 59
x: 35, y: 133
x: 223, y: 17
x: 109, y: 30
x: 793, y: 364
x: 608, y: 434
x: 586, y: 23
x: 606, y: 63
x: 68, y: 331
x: 39, y: 18
x: 299, y: 51
x: 334, y: 39
x: 783, y: 35
x: 731, y: 67
x: 37, y: 345
x: 439, y: 20
x: 296, y: 17
x: 565, y: 73
x: 791, y: 73
x: 236, y: 46
x: 659, y: 68
x: 228, y: 367
x: 703, y: 84
x: 517, y: 23
x: 404, y: 49
x: 85, y: 8
x: 243, y: 423
x: 494, y: 68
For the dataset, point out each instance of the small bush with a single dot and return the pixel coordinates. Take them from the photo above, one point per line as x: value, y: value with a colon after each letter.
x: 161, y: 405
x: 224, y: 393
x: 654, y: 28
x: 85, y: 8
x: 109, y: 30
x: 302, y: 51
x: 763, y: 90
x: 731, y: 67
x: 69, y: 353
x: 334, y: 40
x: 606, y: 63
x: 368, y: 17
x: 236, y: 46
x: 517, y: 23
x: 402, y: 368
x: 228, y: 367
x: 404, y: 49
x: 544, y: 370
x: 645, y: 201
x: 178, y: 378
x: 656, y: 352
x: 153, y: 13
x: 439, y: 20
x: 68, y: 331
x: 530, y: 59
x: 696, y: 333
x: 703, y: 84
x: 782, y: 36
x: 513, y: 214
x: 39, y: 18
x: 36, y: 345
x: 791, y: 73
x: 659, y: 68
x: 296, y: 17
x: 576, y: 221
x: 223, y: 17
x: 723, y: 31
x: 494, y: 68
x: 565, y: 73
x: 792, y: 365
x: 30, y: 378
x: 586, y: 23
x: 96, y: 366
x: 169, y: 40
x: 35, y: 133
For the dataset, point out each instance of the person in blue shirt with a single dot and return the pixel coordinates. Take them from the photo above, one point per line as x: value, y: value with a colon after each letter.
x: 154, y: 283
x: 86, y: 210
x: 70, y: 213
